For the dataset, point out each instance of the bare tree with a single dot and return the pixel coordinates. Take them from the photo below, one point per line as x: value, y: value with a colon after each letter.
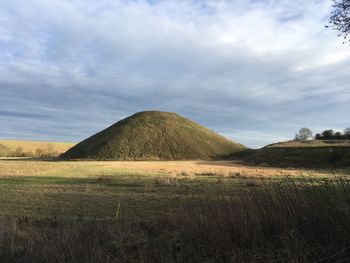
x: 340, y: 18
x: 49, y: 149
x: 304, y: 134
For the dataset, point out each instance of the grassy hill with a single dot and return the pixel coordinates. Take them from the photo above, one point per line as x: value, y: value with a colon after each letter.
x: 312, y: 154
x: 154, y: 135
x: 33, y: 148
x: 4, y: 151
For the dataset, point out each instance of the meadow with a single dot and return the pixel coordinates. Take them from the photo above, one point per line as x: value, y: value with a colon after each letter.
x: 176, y: 211
x: 94, y: 189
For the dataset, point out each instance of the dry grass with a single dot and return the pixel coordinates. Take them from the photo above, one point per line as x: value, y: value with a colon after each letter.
x: 283, y: 222
x: 29, y: 167
x: 42, y: 188
x: 178, y: 211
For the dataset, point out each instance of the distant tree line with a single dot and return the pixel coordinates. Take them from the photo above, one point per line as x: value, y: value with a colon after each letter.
x: 46, y: 152
x: 305, y: 134
x: 333, y: 135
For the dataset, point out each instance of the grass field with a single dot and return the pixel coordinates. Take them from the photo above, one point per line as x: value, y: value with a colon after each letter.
x: 91, y: 211
x: 144, y: 188
x: 45, y: 188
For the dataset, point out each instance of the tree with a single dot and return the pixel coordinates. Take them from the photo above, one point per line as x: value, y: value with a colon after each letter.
x: 19, y: 152
x: 347, y: 133
x: 30, y: 154
x: 38, y: 152
x: 49, y: 149
x: 328, y: 134
x: 340, y: 18
x: 303, y: 134
x: 338, y: 135
x: 318, y: 136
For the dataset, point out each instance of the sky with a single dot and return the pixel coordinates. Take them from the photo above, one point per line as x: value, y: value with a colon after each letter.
x: 254, y: 71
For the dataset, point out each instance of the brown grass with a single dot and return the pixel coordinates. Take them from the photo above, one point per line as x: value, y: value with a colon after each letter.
x: 176, y: 211
x: 169, y: 168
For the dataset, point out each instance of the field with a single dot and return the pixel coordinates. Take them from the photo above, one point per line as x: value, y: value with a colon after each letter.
x: 92, y: 211
x: 44, y: 188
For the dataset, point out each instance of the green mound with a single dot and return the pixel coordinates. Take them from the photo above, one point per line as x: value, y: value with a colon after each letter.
x: 4, y: 151
x: 310, y: 154
x: 154, y: 135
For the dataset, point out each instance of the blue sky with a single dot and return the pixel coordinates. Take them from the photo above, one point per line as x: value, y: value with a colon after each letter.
x: 255, y: 70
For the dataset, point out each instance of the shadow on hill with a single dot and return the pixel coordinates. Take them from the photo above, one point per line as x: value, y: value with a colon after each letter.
x: 4, y: 151
x: 303, y: 157
x: 57, y: 180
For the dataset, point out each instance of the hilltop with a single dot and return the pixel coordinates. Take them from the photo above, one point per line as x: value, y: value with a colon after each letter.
x: 154, y: 135
x: 32, y: 148
x: 312, y: 154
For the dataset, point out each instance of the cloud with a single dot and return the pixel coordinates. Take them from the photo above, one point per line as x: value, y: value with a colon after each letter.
x: 260, y: 68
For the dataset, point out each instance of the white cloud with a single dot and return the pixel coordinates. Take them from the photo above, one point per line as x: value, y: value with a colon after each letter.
x: 262, y: 66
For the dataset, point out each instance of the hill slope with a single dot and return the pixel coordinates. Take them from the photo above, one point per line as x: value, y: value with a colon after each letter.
x: 312, y: 154
x: 4, y: 151
x: 33, y: 148
x: 154, y: 135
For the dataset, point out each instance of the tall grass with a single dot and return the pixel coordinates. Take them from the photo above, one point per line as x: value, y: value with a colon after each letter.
x: 290, y: 221
x: 281, y: 222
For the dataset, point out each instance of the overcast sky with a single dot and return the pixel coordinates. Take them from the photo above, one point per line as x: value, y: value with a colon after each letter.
x: 253, y: 70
